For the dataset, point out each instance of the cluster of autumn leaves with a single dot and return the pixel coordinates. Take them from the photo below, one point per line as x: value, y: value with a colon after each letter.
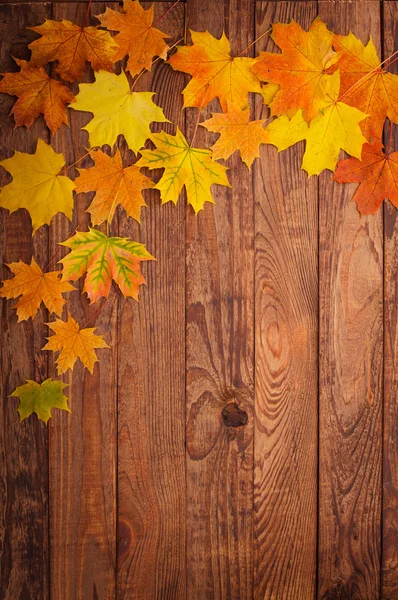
x: 326, y: 89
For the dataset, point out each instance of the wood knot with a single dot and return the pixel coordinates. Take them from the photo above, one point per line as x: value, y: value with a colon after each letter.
x: 233, y: 415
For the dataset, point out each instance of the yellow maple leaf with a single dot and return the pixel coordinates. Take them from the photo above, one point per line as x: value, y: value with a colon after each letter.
x: 40, y: 398
x: 137, y: 37
x: 72, y: 46
x: 117, y: 111
x: 237, y: 133
x: 35, y: 287
x: 73, y: 343
x: 336, y: 127
x: 192, y: 167
x: 215, y: 74
x: 37, y: 185
x: 37, y: 93
x: 113, y: 185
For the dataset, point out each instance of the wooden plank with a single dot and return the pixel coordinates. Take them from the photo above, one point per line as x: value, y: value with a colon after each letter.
x: 351, y: 356
x: 151, y: 376
x: 219, y: 343
x: 23, y: 446
x: 83, y: 444
x: 286, y: 297
x: 390, y: 437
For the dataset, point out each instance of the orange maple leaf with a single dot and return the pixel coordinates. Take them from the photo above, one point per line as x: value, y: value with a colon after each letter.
x: 37, y: 93
x: 137, y: 37
x: 72, y: 46
x: 215, y: 74
x: 365, y: 84
x: 113, y: 185
x: 237, y: 133
x: 35, y: 287
x: 302, y: 70
x: 377, y: 174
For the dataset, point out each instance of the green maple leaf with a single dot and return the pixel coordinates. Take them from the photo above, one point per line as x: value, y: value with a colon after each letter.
x: 40, y: 398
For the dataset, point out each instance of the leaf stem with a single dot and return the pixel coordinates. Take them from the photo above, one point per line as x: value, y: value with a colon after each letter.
x: 140, y: 74
x: 95, y: 314
x: 87, y: 14
x: 166, y: 13
x: 67, y: 167
x: 255, y: 41
x: 370, y: 73
x: 197, y: 121
x: 57, y: 252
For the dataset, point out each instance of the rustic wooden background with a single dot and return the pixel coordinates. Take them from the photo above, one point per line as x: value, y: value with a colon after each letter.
x: 240, y: 440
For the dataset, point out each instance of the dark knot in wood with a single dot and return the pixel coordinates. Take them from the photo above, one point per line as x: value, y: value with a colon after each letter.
x: 233, y: 415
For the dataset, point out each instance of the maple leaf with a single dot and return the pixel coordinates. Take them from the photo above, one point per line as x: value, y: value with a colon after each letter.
x: 365, y: 84
x: 113, y: 185
x: 215, y: 74
x: 137, y: 37
x: 237, y: 133
x: 103, y: 259
x: 335, y: 128
x: 72, y: 46
x: 74, y: 343
x: 117, y: 111
x: 35, y: 287
x: 40, y: 398
x: 37, y: 93
x: 37, y: 185
x: 302, y: 70
x: 377, y: 174
x: 183, y: 165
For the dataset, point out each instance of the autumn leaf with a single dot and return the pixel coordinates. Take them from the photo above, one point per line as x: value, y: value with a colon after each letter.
x: 103, y: 259
x: 237, y: 133
x: 113, y: 185
x: 137, y: 37
x: 40, y: 398
x: 215, y: 74
x: 73, y: 343
x: 336, y: 127
x: 365, y: 84
x: 302, y: 70
x: 37, y: 185
x: 377, y: 174
x: 35, y: 287
x: 117, y: 111
x: 37, y: 94
x: 183, y: 165
x: 72, y: 46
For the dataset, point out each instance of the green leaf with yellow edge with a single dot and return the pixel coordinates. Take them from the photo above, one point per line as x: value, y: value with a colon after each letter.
x: 37, y: 185
x: 40, y: 398
x: 104, y: 259
x: 335, y: 128
x: 117, y: 111
x: 183, y: 165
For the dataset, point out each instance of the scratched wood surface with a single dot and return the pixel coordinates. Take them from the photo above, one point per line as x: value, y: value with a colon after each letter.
x: 240, y: 439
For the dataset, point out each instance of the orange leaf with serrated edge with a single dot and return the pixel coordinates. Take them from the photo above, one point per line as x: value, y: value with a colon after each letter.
x: 72, y: 46
x: 365, y: 84
x: 377, y: 174
x: 215, y: 74
x: 35, y: 287
x: 113, y: 185
x: 137, y: 37
x: 302, y: 70
x: 73, y: 343
x: 237, y: 133
x: 37, y: 94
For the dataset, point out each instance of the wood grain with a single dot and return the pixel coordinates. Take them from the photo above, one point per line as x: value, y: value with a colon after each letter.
x: 286, y: 326
x: 351, y: 355
x: 219, y: 348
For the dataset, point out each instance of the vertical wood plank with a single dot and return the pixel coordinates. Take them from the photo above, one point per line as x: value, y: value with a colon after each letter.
x: 351, y: 354
x: 219, y: 342
x: 390, y: 441
x: 151, y: 379
x: 286, y: 297
x: 23, y: 446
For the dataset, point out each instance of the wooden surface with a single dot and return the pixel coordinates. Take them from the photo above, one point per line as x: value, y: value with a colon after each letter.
x: 240, y: 439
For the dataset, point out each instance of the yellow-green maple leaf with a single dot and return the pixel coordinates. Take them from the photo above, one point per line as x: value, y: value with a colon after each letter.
x: 183, y: 165
x: 37, y: 185
x: 40, y: 398
x: 117, y: 111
